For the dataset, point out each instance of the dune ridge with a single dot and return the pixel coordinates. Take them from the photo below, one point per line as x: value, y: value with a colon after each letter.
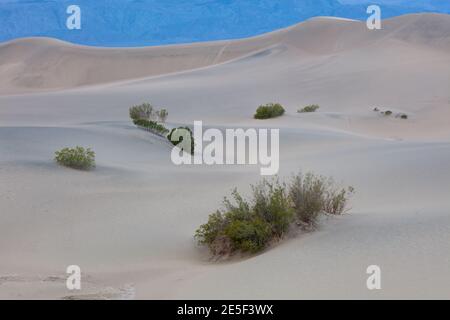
x: 33, y: 64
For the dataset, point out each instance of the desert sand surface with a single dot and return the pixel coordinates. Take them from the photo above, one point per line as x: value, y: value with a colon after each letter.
x: 129, y: 223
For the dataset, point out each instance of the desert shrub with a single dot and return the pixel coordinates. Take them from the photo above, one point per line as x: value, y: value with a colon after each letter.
x: 274, y: 208
x: 310, y: 108
x: 175, y: 142
x: 308, y: 197
x: 151, y: 126
x: 268, y: 111
x: 336, y: 200
x: 248, y: 226
x: 162, y: 115
x: 404, y: 116
x: 388, y: 113
x: 142, y: 111
x: 248, y: 235
x: 76, y: 158
x: 272, y: 203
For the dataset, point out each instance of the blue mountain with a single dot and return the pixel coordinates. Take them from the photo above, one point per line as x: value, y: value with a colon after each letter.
x: 155, y: 22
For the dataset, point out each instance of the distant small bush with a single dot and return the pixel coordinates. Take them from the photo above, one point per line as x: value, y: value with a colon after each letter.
x: 76, y: 158
x: 308, y: 198
x: 388, y: 113
x: 143, y: 111
x: 274, y: 208
x: 336, y: 200
x: 147, y: 112
x: 310, y: 108
x: 404, y: 116
x: 268, y: 111
x: 151, y: 126
x: 162, y: 115
x: 176, y: 142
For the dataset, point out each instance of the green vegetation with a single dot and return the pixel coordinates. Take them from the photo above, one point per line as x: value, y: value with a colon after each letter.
x: 310, y: 108
x: 250, y: 226
x: 76, y: 158
x: 389, y: 113
x: 151, y: 126
x: 181, y: 134
x: 268, y: 111
x: 143, y: 111
x: 144, y: 116
x: 162, y: 115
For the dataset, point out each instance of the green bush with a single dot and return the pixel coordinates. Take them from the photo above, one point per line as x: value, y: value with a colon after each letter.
x: 388, y: 113
x: 143, y: 111
x: 248, y: 227
x: 177, y: 142
x: 162, y: 115
x: 308, y: 198
x: 76, y: 158
x: 336, y: 200
x: 151, y: 126
x: 268, y: 111
x: 274, y: 208
x: 310, y: 108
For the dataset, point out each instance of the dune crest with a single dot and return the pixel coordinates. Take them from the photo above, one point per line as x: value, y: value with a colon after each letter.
x: 35, y: 64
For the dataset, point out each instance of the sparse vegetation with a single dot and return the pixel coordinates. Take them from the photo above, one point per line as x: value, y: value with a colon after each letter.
x: 389, y: 113
x: 250, y: 226
x: 76, y: 158
x: 151, y: 126
x: 142, y: 112
x: 310, y: 108
x: 270, y: 110
x: 162, y: 115
x: 145, y: 116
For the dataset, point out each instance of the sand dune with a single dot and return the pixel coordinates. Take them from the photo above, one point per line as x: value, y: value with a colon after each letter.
x: 129, y: 223
x: 40, y: 63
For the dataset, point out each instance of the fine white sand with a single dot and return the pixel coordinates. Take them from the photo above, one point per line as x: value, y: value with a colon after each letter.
x: 129, y: 223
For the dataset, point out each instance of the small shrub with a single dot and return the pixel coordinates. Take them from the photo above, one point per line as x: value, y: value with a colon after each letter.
x: 376, y: 109
x: 310, y: 108
x: 272, y: 203
x: 388, y: 113
x: 268, y: 111
x: 142, y: 111
x: 248, y: 226
x: 76, y: 158
x: 404, y: 116
x: 151, y: 126
x: 251, y: 225
x: 308, y: 197
x: 336, y: 200
x: 162, y: 115
x: 172, y: 140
